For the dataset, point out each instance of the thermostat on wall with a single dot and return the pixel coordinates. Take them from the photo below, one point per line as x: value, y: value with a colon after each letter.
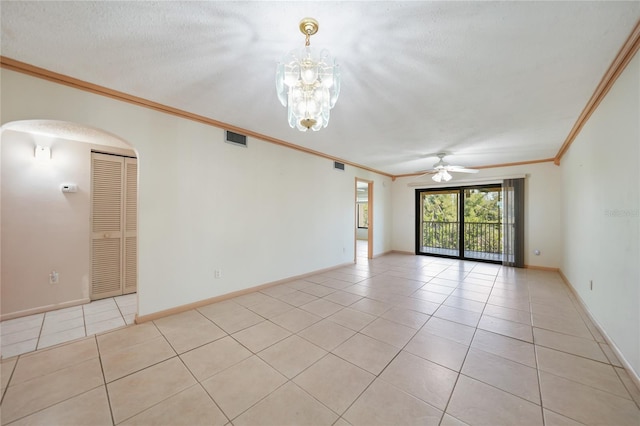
x: 69, y: 187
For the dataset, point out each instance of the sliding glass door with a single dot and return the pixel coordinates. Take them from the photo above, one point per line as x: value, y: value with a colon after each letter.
x: 464, y: 223
x: 439, y: 228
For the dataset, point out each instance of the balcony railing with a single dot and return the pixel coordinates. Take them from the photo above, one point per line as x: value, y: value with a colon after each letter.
x: 480, y: 237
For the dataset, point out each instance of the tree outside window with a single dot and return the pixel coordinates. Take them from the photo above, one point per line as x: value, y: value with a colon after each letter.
x: 363, y: 215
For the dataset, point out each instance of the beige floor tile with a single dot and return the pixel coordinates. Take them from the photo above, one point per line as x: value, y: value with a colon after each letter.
x: 326, y: 334
x: 474, y: 402
x: 334, y: 382
x: 289, y: 405
x: 611, y: 356
x: 471, y: 295
x: 133, y: 394
x: 371, y: 306
x: 214, y: 357
x: 418, y: 305
x: 61, y: 337
x: 233, y: 320
x: 121, y: 362
x: 586, y: 404
x: 508, y: 314
x: 343, y: 298
x: 89, y: 408
x: 384, y: 404
x: 129, y: 336
x: 505, y: 347
x: 423, y: 379
x: 241, y: 386
x: 318, y: 290
x: 449, y: 420
x: 261, y: 336
x: 51, y: 360
x: 581, y: 370
x: 437, y: 288
x: 437, y: 349
x: 192, y: 406
x: 365, y: 352
x: 562, y: 325
x: 297, y: 298
x: 633, y: 390
x: 188, y: 330
x: 251, y: 299
x: 521, y: 305
x: 460, y: 316
x: 506, y: 328
x: 270, y: 308
x: 502, y: 373
x: 278, y: 290
x: 459, y: 333
x: 408, y: 317
x: 295, y: 320
x: 44, y: 391
x: 322, y: 307
x: 587, y: 348
x: 6, y: 371
x: 317, y: 279
x: 430, y: 296
x: 389, y: 332
x: 292, y: 355
x: 466, y: 304
x: 555, y: 419
x: 351, y: 318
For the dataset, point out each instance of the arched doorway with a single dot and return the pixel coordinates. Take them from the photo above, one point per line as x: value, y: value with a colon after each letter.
x: 46, y: 244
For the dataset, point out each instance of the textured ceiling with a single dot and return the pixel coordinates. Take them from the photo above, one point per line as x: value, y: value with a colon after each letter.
x: 488, y: 82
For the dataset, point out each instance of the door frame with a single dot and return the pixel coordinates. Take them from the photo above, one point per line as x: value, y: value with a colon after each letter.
x: 371, y: 221
x: 461, y: 230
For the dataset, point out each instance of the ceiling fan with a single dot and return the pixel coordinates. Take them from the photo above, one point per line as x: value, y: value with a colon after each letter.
x: 441, y: 170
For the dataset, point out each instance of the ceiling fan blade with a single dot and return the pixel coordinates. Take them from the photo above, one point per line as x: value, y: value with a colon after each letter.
x: 463, y: 170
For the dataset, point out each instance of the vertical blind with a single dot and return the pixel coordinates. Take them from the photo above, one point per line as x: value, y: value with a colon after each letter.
x: 513, y: 222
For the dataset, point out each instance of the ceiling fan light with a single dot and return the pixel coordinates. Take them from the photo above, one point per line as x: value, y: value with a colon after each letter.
x: 446, y: 176
x: 437, y: 177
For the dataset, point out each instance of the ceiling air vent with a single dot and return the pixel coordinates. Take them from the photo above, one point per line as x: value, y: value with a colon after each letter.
x: 338, y: 166
x: 236, y: 138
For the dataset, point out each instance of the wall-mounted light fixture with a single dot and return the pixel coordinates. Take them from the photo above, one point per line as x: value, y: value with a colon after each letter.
x: 43, y: 152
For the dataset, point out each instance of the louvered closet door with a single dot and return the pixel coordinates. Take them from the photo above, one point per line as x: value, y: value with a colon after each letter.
x: 107, y: 192
x: 130, y: 258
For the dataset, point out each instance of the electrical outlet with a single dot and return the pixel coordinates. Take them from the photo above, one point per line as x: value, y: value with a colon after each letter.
x: 53, y: 277
x: 218, y: 273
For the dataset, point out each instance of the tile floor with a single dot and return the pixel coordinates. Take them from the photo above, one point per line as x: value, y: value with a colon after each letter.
x: 26, y: 334
x: 399, y: 339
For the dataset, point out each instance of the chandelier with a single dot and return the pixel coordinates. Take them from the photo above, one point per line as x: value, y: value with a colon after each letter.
x: 308, y: 83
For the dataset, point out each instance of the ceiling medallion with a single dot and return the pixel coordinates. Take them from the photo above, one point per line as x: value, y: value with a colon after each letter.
x: 308, y: 83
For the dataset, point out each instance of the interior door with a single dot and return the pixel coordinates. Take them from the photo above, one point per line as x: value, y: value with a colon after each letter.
x: 113, y: 225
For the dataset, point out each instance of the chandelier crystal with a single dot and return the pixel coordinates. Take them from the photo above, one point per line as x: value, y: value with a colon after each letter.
x: 308, y: 83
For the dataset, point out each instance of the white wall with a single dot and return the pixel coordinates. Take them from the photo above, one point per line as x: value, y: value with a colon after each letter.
x: 44, y: 229
x: 601, y: 180
x: 543, y: 210
x: 205, y: 204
